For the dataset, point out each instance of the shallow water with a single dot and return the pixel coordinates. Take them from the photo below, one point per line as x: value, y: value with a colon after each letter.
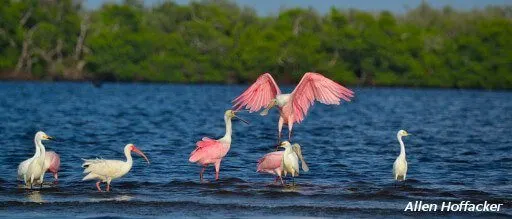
x: 460, y: 150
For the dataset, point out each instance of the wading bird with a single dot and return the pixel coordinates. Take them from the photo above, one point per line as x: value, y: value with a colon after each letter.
x: 52, y: 164
x: 107, y: 170
x: 33, y: 169
x: 271, y: 162
x: 210, y: 151
x: 294, y: 106
x: 400, y: 165
x: 290, y: 161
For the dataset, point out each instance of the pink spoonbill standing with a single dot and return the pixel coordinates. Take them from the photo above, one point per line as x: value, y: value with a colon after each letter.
x: 211, y: 151
x: 294, y: 106
x: 107, y: 170
x: 52, y: 164
x: 272, y: 163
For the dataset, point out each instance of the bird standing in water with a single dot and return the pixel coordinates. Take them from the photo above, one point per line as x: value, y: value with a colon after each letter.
x: 107, y: 170
x: 400, y: 165
x: 210, y: 151
x: 33, y: 169
x: 272, y: 162
x: 294, y: 106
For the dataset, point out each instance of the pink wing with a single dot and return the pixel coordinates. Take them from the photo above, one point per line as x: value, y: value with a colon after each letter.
x: 314, y: 86
x: 207, y: 149
x: 270, y: 161
x: 258, y: 95
x: 54, y: 161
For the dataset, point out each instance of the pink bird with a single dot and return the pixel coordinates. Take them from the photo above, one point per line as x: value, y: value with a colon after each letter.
x: 293, y: 107
x: 271, y: 163
x: 52, y: 164
x: 210, y: 151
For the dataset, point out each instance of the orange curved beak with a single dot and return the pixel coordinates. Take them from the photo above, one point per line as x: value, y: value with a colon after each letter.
x: 136, y: 150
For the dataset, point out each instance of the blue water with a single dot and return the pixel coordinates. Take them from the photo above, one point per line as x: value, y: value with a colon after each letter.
x: 460, y: 150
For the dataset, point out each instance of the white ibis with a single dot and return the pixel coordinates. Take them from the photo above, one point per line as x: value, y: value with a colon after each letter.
x: 33, y: 169
x: 107, y: 170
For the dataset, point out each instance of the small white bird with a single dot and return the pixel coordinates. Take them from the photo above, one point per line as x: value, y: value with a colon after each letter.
x: 107, y: 170
x: 33, y: 169
x: 290, y: 161
x: 400, y: 165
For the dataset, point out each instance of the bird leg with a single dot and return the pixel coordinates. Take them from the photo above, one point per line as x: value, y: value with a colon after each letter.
x: 98, y: 186
x: 56, y: 176
x: 217, y: 170
x: 279, y: 129
x: 201, y: 173
x: 290, y: 127
x: 108, y: 187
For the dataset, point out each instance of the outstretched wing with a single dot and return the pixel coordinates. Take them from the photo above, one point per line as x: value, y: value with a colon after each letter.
x: 314, y: 86
x: 258, y: 95
x: 206, y: 149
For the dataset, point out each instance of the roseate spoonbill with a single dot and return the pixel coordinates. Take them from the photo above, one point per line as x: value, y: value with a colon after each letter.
x: 210, y: 151
x: 51, y: 163
x: 400, y: 165
x: 271, y: 162
x: 294, y: 106
x: 32, y: 170
x: 107, y: 170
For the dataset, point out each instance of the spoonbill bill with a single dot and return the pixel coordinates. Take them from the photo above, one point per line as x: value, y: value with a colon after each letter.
x: 400, y: 165
x: 272, y: 162
x: 107, y: 170
x: 33, y: 169
x: 211, y: 151
x: 293, y: 107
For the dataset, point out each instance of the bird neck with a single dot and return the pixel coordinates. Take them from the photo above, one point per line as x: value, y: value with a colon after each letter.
x: 37, y: 143
x: 402, y: 146
x: 128, y: 154
x: 229, y: 130
x: 288, y: 150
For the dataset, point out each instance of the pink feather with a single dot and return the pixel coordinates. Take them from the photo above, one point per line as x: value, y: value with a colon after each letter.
x: 270, y: 163
x: 314, y: 86
x: 258, y: 95
x: 54, y: 162
x: 208, y: 151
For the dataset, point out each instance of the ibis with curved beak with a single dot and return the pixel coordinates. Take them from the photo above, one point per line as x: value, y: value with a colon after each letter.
x: 107, y: 170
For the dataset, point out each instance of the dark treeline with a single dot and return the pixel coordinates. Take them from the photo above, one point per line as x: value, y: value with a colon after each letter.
x: 220, y: 42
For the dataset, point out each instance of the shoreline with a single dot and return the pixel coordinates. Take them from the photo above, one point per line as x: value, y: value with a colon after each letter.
x: 100, y: 83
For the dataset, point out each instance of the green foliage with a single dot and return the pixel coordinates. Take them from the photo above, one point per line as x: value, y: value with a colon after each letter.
x: 217, y: 41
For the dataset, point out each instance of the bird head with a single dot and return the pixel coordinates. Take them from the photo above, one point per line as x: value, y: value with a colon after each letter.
x: 133, y: 148
x: 402, y: 133
x: 43, y: 136
x: 285, y: 144
x: 231, y: 114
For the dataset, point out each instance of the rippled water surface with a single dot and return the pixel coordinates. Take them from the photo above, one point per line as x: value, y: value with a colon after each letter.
x: 460, y: 150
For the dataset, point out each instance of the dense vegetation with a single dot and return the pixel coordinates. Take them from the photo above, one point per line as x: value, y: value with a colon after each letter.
x: 217, y: 41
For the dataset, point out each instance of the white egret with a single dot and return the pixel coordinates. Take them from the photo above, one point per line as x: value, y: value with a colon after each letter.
x: 290, y: 161
x: 400, y: 165
x: 33, y: 169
